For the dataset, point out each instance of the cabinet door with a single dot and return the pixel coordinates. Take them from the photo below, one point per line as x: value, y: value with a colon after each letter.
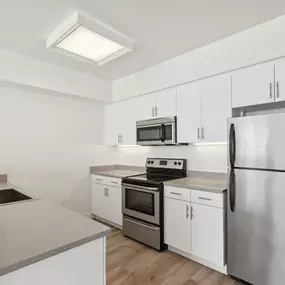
x: 207, y: 233
x: 114, y: 206
x: 280, y: 80
x: 143, y: 106
x: 128, y: 114
x: 177, y: 224
x: 98, y: 200
x: 253, y: 85
x: 165, y: 102
x: 111, y: 124
x: 189, y: 113
x: 216, y: 108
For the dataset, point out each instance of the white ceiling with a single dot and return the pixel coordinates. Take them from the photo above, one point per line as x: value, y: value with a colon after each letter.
x: 161, y: 28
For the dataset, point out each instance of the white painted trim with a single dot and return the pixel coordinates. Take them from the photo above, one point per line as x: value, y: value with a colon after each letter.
x: 199, y: 260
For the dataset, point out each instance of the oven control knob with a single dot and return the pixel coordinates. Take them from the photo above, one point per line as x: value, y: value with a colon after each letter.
x: 175, y: 163
x: 152, y: 162
x: 148, y: 162
x: 179, y: 163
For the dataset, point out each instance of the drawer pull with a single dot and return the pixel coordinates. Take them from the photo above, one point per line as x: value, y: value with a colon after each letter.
x: 174, y: 193
x: 206, y: 199
x: 98, y: 179
x: 114, y: 182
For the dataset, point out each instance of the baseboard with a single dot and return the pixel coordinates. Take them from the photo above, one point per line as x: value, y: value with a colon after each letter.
x: 222, y: 269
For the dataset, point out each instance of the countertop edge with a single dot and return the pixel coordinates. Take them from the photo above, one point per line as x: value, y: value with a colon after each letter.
x: 191, y: 187
x: 105, y: 174
x: 53, y: 252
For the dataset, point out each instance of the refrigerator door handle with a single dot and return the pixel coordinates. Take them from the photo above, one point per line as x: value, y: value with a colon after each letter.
x: 232, y: 190
x: 232, y: 145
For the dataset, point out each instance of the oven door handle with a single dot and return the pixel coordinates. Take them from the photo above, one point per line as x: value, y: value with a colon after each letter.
x: 141, y: 188
x: 143, y: 225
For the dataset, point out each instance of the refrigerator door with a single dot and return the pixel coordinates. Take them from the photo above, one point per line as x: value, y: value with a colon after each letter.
x: 256, y: 227
x: 257, y: 142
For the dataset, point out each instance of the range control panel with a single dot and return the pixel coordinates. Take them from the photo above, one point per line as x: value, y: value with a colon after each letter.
x: 171, y: 163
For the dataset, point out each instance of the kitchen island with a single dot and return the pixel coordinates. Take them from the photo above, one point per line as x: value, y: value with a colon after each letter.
x: 42, y: 243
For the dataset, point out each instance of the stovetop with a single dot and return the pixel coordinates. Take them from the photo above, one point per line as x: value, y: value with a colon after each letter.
x: 160, y: 170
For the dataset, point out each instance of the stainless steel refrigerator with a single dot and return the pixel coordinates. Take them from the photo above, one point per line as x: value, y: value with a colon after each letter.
x: 256, y: 199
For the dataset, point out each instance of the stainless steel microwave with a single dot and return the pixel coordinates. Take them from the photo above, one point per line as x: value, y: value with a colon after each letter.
x: 161, y: 131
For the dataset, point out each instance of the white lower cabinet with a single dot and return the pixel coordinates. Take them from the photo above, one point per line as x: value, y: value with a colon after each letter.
x: 207, y: 235
x: 106, y: 201
x: 177, y: 224
x: 196, y: 229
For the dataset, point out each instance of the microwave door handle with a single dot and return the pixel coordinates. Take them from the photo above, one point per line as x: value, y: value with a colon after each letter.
x: 162, y: 133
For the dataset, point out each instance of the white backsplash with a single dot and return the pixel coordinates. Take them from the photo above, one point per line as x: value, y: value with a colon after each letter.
x: 211, y: 158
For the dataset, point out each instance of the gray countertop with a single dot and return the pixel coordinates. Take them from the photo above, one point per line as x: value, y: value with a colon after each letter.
x: 209, y: 182
x: 117, y: 171
x: 35, y: 230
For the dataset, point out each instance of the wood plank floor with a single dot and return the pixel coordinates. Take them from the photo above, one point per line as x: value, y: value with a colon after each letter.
x: 131, y: 263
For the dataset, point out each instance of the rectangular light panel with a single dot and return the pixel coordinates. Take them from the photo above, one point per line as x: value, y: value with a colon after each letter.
x: 88, y: 44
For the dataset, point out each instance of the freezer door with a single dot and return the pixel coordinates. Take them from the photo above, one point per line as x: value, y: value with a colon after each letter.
x: 257, y: 142
x: 256, y: 227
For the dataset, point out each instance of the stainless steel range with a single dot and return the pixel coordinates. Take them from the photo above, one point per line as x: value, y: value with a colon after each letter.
x: 143, y: 218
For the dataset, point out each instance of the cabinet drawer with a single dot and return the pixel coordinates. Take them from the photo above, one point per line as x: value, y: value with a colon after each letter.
x: 207, y: 198
x: 99, y: 179
x: 177, y: 193
x: 106, y: 180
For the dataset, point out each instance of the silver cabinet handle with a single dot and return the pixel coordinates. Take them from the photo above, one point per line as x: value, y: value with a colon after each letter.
x: 198, y: 133
x: 175, y: 193
x: 106, y: 192
x: 114, y: 182
x: 277, y: 89
x: 98, y: 179
x: 121, y: 138
x: 206, y: 199
x: 187, y: 212
x: 191, y: 213
x: 203, y: 133
x: 270, y: 90
x: 153, y: 111
x: 118, y: 138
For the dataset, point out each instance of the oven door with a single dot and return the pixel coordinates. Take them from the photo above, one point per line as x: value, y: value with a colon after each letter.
x: 141, y: 202
x: 157, y: 131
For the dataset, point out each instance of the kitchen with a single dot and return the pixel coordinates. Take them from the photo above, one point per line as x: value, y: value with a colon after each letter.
x: 66, y: 121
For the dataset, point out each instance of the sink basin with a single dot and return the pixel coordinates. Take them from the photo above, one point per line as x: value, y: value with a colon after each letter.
x: 11, y: 196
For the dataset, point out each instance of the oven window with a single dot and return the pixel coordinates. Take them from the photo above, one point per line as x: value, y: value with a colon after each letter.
x: 140, y: 201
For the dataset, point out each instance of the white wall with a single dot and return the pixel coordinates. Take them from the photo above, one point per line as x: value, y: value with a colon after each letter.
x: 24, y: 72
x: 261, y: 43
x: 211, y: 158
x: 47, y: 145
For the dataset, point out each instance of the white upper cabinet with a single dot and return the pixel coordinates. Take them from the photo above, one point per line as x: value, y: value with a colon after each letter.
x: 216, y: 108
x: 111, y: 124
x: 157, y: 104
x: 165, y: 102
x: 203, y: 108
x: 253, y: 85
x: 189, y: 113
x: 280, y: 80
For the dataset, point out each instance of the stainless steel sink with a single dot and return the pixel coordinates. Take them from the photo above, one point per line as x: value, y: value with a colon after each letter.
x: 12, y: 196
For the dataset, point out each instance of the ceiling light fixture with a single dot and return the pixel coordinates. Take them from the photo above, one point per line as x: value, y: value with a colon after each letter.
x: 84, y: 38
